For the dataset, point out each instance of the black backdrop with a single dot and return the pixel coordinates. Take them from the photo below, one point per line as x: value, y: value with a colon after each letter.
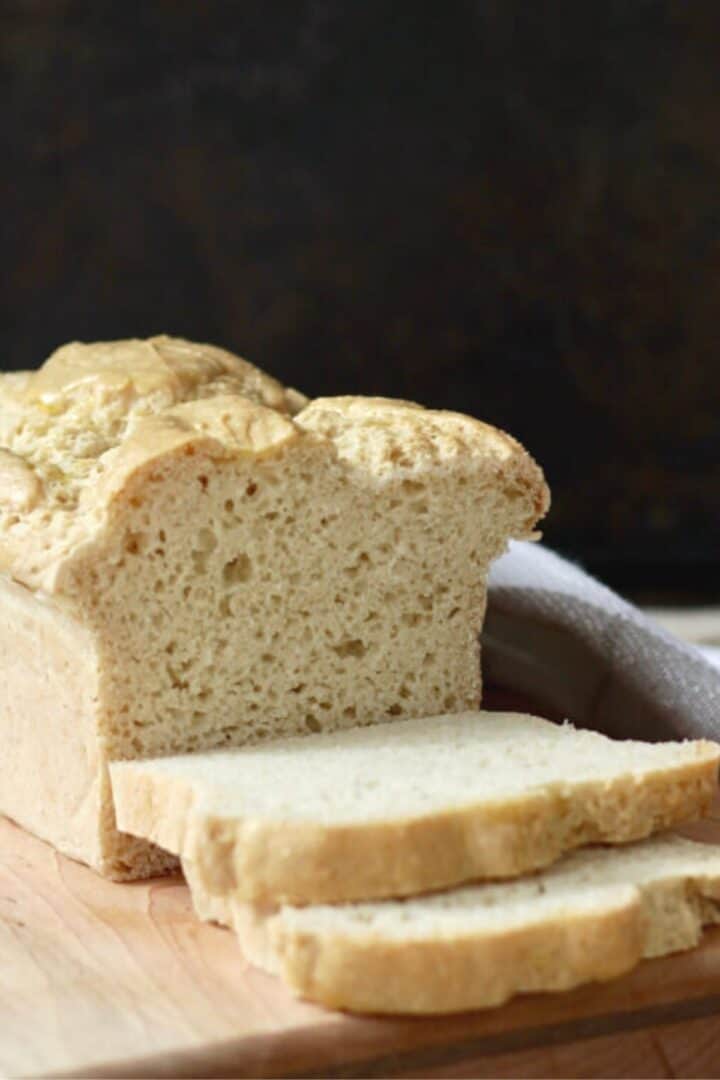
x: 511, y: 209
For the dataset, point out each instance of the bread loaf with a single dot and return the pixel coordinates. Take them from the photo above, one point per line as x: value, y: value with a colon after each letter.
x: 418, y: 805
x: 591, y: 917
x: 193, y: 557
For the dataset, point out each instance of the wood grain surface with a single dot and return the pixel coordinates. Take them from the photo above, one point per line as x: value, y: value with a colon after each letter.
x: 103, y: 979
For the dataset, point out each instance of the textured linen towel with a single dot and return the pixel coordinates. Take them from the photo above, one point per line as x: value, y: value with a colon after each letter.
x: 557, y: 635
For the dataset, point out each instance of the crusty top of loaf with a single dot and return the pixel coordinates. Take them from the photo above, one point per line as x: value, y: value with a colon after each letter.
x: 154, y: 374
x: 86, y: 399
x: 385, y: 437
x: 74, y: 432
x: 381, y: 434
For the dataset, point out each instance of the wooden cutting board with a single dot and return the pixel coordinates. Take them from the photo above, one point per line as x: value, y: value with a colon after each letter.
x: 121, y: 980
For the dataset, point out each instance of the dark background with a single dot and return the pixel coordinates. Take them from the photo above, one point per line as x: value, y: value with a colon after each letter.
x: 505, y: 208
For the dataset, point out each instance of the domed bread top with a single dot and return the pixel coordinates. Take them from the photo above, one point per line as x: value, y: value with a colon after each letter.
x: 223, y: 426
x: 385, y: 437
x: 383, y: 434
x: 161, y: 372
x: 74, y: 433
x: 87, y: 399
x: 73, y: 430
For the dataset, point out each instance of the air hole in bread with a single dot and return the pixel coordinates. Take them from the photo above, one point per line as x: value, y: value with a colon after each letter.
x: 351, y: 647
x: 204, y: 546
x: 135, y: 543
x: 237, y: 570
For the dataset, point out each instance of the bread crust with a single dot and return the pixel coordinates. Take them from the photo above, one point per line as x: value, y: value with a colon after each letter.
x: 452, y: 975
x: 81, y: 428
x: 612, y: 915
x: 75, y: 433
x: 294, y: 862
x: 401, y: 435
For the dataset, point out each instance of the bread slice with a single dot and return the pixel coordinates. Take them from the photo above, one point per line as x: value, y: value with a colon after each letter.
x: 404, y: 808
x: 188, y: 561
x: 588, y: 918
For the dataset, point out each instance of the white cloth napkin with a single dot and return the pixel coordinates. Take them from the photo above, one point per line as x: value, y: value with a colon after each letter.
x: 558, y: 636
x: 711, y: 653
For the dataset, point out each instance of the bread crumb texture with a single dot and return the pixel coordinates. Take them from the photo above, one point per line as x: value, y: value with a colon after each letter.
x: 407, y: 808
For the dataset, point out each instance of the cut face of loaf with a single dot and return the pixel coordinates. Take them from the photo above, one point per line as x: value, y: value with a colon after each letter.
x: 221, y: 571
x: 591, y: 917
x: 418, y: 805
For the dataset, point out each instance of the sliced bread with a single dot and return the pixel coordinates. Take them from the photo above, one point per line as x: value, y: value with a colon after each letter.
x: 407, y: 807
x: 190, y: 558
x: 590, y: 917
